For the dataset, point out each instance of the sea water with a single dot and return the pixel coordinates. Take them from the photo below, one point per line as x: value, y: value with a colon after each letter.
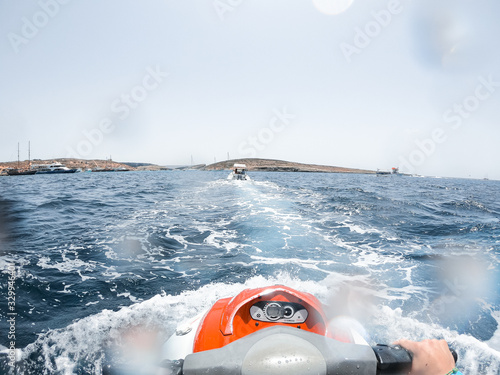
x: 106, y: 262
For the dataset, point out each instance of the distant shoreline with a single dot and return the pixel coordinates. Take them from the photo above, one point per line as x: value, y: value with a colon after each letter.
x: 83, y: 164
x: 272, y: 165
x: 253, y: 164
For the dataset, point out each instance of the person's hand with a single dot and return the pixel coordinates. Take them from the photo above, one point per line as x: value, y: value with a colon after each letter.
x: 430, y: 357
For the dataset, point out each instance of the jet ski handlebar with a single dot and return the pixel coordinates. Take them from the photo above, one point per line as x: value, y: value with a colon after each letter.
x: 394, y: 359
x: 286, y: 350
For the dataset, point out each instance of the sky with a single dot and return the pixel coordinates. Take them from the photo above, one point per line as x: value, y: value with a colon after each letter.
x: 352, y: 83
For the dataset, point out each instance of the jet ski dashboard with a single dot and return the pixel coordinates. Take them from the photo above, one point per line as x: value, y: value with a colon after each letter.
x: 278, y: 311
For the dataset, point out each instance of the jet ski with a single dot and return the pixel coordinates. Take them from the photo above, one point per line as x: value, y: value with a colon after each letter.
x: 270, y: 331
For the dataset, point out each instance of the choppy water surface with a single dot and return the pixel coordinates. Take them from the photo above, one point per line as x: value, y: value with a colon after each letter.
x: 101, y: 255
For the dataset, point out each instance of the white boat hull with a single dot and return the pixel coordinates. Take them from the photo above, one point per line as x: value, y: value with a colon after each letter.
x: 238, y: 177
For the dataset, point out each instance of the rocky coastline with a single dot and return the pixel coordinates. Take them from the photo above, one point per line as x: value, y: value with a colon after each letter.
x: 82, y: 164
x: 271, y: 165
x: 253, y: 164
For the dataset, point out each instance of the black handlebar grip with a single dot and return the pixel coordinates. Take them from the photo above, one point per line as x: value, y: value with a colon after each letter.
x: 392, y: 360
x: 454, y: 354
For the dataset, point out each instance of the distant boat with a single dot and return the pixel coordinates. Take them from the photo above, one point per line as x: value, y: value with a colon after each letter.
x: 393, y: 172
x: 19, y: 171
x: 53, y: 168
x: 108, y: 167
x: 238, y: 173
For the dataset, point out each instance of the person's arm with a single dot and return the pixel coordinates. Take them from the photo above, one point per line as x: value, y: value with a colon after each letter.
x: 430, y: 357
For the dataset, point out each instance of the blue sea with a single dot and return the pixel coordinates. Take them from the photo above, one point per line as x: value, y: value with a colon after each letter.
x: 105, y: 260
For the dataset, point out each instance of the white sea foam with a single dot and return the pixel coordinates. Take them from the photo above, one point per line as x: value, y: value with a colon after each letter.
x: 129, y: 296
x: 494, y: 342
x: 70, y: 263
x: 307, y: 264
x: 358, y: 228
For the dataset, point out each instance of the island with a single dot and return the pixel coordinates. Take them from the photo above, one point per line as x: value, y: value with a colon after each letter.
x: 272, y: 165
x: 253, y: 164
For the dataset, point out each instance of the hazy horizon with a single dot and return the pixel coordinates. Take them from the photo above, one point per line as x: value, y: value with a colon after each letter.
x: 367, y: 85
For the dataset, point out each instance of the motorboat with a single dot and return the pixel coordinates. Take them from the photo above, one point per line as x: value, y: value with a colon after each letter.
x: 269, y: 331
x: 393, y: 172
x: 53, y: 168
x: 238, y: 172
